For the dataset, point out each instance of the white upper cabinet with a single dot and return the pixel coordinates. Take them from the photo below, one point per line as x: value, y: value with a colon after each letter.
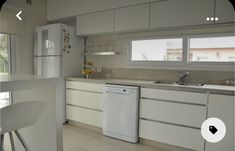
x: 132, y: 18
x: 94, y: 23
x: 222, y: 107
x: 173, y: 13
x: 224, y: 11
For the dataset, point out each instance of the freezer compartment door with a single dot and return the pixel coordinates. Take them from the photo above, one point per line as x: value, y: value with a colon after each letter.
x: 48, y: 67
x: 48, y: 40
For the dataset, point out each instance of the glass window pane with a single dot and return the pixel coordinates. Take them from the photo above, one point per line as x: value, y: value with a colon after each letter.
x: 157, y: 50
x: 4, y: 65
x: 4, y: 61
x: 212, y: 49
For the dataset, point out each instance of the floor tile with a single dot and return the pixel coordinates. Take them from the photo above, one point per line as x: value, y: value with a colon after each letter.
x: 99, y: 142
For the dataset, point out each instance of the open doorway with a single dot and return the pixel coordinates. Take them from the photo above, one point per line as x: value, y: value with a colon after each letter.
x: 4, y: 65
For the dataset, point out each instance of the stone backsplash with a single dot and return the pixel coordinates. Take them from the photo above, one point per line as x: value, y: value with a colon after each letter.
x: 206, y: 77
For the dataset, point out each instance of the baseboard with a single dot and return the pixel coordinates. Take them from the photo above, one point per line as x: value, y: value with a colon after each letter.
x: 86, y: 126
x: 162, y: 145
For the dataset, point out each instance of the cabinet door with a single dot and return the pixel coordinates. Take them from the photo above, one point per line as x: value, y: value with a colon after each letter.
x: 83, y: 115
x: 222, y: 107
x: 224, y: 11
x: 177, y: 113
x: 85, y: 86
x: 100, y: 22
x: 173, y: 13
x: 84, y: 99
x: 132, y: 18
x: 172, y: 134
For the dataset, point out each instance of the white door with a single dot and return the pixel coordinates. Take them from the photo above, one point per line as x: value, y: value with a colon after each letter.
x: 48, y: 40
x: 48, y: 67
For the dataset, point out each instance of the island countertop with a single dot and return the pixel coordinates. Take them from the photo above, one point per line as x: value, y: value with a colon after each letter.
x: 19, y: 82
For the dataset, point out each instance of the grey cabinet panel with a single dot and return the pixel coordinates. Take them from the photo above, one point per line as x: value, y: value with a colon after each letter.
x: 173, y: 13
x: 222, y: 107
x: 100, y: 22
x: 132, y: 18
x: 224, y: 11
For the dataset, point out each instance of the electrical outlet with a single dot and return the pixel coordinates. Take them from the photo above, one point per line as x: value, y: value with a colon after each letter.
x: 98, y: 70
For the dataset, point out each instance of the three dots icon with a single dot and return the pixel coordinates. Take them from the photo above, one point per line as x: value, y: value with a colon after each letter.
x: 212, y: 18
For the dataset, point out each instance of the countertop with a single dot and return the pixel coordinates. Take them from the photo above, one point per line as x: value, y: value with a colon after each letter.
x: 19, y: 82
x: 215, y: 89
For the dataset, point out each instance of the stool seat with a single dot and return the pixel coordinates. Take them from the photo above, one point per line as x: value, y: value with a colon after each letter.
x: 17, y: 116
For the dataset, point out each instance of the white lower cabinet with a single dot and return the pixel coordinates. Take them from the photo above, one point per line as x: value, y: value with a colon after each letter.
x: 172, y: 134
x: 222, y: 107
x: 84, y: 102
x: 90, y: 117
x: 173, y: 117
x: 85, y: 99
x: 174, y: 96
x: 176, y: 113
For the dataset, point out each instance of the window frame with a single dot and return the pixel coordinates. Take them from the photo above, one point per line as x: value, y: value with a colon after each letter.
x: 152, y: 63
x: 210, y: 63
x: 185, y: 64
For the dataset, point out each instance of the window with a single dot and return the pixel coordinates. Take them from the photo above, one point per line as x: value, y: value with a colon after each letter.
x: 157, y: 50
x: 4, y: 65
x: 212, y: 49
x: 197, y: 52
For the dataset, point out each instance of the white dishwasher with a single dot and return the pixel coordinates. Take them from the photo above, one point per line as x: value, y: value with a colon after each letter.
x: 121, y: 108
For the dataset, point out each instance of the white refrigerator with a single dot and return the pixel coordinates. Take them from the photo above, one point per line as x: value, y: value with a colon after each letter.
x: 57, y: 53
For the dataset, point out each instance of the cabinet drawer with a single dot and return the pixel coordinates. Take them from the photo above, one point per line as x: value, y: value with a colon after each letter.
x: 183, y: 114
x: 85, y: 116
x: 85, y: 86
x: 177, y: 96
x: 84, y: 99
x: 171, y: 134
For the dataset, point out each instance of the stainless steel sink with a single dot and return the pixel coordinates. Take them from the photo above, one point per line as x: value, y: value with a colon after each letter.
x: 192, y: 84
x: 178, y: 84
x: 164, y: 82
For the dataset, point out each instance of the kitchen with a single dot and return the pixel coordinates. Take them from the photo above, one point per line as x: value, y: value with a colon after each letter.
x: 137, y: 75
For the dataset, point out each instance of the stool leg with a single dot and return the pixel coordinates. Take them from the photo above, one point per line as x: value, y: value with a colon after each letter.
x: 22, y: 141
x: 12, y: 141
x: 2, y: 143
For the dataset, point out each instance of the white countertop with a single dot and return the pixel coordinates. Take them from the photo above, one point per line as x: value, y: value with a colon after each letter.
x: 218, y: 89
x: 19, y: 82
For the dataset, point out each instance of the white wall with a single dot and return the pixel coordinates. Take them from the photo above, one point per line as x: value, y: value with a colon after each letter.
x: 33, y: 15
x: 58, y: 9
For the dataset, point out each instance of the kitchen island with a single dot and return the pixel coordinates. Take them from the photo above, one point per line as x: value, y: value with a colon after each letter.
x: 46, y: 135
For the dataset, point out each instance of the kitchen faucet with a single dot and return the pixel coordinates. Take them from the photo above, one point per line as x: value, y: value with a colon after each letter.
x: 182, y: 77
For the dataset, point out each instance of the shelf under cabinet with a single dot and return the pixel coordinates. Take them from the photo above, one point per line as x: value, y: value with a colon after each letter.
x: 110, y: 53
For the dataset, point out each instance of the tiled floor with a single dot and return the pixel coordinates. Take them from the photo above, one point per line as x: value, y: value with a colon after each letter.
x: 79, y: 139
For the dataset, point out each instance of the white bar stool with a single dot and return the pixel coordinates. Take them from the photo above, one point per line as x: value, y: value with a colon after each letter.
x: 17, y: 116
